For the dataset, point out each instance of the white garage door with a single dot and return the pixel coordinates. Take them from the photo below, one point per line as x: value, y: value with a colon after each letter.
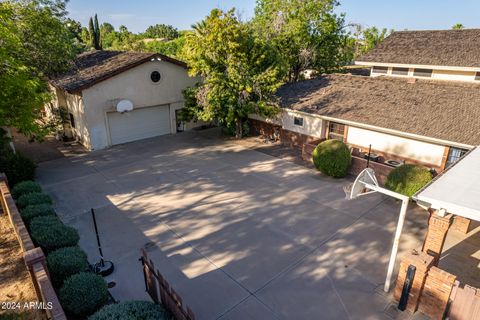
x: 139, y: 124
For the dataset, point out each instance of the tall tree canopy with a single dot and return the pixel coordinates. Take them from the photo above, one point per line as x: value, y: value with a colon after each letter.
x: 308, y: 33
x: 458, y: 26
x: 240, y: 72
x: 161, y: 31
x: 35, y: 44
x: 94, y: 33
x: 371, y: 37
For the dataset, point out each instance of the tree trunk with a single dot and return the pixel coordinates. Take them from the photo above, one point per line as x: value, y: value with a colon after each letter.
x: 238, y: 129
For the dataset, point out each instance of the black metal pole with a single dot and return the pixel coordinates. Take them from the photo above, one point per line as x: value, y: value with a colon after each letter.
x: 368, y: 157
x: 98, y: 238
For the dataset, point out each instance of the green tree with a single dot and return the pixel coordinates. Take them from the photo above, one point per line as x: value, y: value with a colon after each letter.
x: 94, y: 33
x: 35, y: 45
x: 308, y: 33
x: 458, y: 26
x: 91, y: 33
x: 240, y: 72
x: 172, y: 48
x: 97, y: 40
x: 161, y: 31
x: 107, y: 34
x: 371, y: 38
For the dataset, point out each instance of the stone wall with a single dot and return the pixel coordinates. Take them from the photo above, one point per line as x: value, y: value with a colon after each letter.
x: 34, y: 258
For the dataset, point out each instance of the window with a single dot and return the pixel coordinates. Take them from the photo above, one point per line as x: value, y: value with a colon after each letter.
x: 298, y: 121
x: 380, y: 70
x: 72, y: 120
x: 454, y: 155
x: 477, y: 77
x: 400, y: 71
x: 426, y: 73
x: 336, y: 131
x: 155, y: 76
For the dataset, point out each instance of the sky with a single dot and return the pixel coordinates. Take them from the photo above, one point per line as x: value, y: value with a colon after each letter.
x: 137, y: 15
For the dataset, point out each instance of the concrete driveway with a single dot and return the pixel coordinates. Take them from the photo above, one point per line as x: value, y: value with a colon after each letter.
x: 238, y: 234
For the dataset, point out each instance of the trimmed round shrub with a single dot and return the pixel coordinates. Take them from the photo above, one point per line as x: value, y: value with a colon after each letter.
x: 25, y: 187
x: 65, y: 262
x: 132, y: 310
x: 36, y: 210
x: 83, y: 293
x: 50, y: 233
x: 17, y: 167
x: 333, y: 158
x: 408, y: 179
x: 33, y: 198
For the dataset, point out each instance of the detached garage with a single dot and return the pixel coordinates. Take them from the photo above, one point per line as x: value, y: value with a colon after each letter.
x: 115, y: 97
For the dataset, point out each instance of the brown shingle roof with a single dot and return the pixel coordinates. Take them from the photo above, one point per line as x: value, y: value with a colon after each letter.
x: 458, y: 48
x: 436, y: 109
x: 96, y: 66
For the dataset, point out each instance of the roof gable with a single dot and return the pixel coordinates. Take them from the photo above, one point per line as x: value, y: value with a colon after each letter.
x: 92, y: 67
x: 454, y: 48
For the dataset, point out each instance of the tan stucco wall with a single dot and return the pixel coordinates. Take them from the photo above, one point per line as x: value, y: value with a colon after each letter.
x: 453, y: 75
x: 407, y: 148
x: 312, y: 126
x: 136, y: 86
x: 74, y: 104
x: 450, y: 75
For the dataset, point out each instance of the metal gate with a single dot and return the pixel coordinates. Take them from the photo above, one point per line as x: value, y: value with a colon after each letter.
x: 161, y: 292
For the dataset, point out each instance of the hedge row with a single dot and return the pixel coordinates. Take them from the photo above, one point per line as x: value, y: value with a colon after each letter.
x: 132, y: 310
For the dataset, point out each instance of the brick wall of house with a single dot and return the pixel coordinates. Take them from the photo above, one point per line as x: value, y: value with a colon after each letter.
x: 287, y: 137
x: 461, y: 224
x: 381, y: 170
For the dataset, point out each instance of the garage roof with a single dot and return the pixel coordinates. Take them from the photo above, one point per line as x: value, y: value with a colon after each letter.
x: 92, y: 67
x: 457, y: 190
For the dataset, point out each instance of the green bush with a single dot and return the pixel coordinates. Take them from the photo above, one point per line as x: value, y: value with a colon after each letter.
x: 36, y: 210
x: 65, y: 262
x: 32, y: 199
x: 132, y: 310
x: 25, y: 187
x: 17, y: 167
x: 83, y: 293
x: 408, y: 179
x: 50, y: 233
x: 332, y: 158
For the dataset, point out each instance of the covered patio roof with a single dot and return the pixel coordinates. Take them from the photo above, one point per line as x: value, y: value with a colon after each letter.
x: 457, y: 190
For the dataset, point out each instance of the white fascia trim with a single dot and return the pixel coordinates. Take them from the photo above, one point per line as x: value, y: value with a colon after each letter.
x: 418, y: 66
x: 385, y: 130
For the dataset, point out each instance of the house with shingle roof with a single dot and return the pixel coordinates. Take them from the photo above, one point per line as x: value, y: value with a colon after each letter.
x: 113, y: 97
x: 420, y: 104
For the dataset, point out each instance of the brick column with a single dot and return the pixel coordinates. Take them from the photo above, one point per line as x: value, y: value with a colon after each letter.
x: 436, y: 293
x: 423, y: 262
x: 461, y: 224
x: 437, y: 232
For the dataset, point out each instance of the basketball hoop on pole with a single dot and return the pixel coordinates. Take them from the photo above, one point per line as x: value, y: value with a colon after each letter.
x: 366, y: 183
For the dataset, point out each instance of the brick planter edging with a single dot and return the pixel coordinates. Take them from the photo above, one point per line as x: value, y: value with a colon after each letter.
x: 34, y: 257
